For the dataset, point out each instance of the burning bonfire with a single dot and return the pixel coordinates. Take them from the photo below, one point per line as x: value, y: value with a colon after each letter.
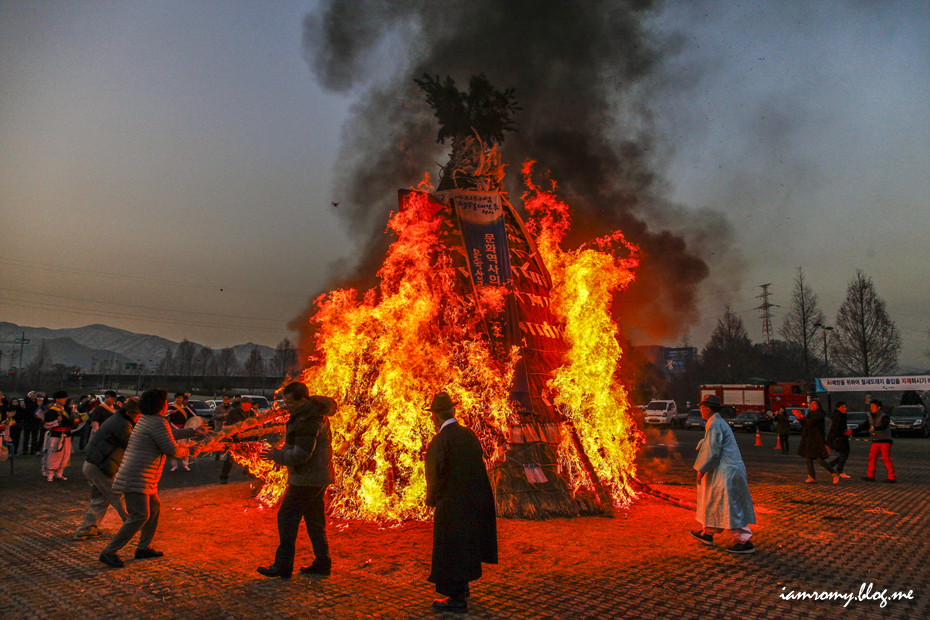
x: 476, y: 302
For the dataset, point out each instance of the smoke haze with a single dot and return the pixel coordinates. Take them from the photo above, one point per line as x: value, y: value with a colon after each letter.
x: 581, y: 72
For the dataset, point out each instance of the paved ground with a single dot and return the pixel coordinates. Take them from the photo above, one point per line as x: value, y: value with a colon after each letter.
x: 641, y: 564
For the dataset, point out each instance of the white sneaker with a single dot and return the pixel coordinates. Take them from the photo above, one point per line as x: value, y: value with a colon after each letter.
x: 174, y: 468
x: 844, y: 475
x: 810, y: 479
x: 836, y: 478
x: 186, y: 468
x: 50, y: 478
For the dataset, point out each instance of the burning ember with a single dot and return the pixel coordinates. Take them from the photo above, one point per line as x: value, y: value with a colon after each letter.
x: 476, y: 303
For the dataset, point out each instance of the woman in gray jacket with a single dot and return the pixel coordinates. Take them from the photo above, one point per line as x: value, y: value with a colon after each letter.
x: 151, y: 442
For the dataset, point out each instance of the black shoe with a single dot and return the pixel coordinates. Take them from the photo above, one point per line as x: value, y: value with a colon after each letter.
x: 317, y: 569
x: 111, y: 559
x: 745, y: 547
x: 273, y: 571
x: 224, y: 481
x: 867, y: 479
x: 707, y: 539
x: 458, y: 605
x: 891, y: 481
x: 144, y: 554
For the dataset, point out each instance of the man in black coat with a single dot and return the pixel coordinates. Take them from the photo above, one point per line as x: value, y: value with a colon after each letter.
x: 465, y: 521
x: 104, y: 455
x: 812, y: 445
x: 308, y: 454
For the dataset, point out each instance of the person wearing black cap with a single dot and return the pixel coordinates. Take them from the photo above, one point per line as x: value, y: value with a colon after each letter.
x: 465, y: 521
x: 307, y: 452
x: 58, y: 422
x: 723, y: 498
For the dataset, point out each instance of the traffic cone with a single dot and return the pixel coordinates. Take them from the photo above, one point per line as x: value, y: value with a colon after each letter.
x: 758, y: 438
x: 778, y: 443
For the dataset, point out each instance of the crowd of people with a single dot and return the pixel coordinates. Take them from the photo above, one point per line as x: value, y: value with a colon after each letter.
x: 816, y: 443
x: 131, y: 440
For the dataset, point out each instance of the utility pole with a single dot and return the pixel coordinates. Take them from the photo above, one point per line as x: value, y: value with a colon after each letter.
x: 22, y: 341
x: 766, y: 313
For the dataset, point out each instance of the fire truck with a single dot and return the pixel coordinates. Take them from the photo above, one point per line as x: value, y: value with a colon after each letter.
x: 764, y: 397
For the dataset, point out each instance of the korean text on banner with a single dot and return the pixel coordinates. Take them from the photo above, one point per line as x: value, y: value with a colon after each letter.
x: 874, y: 384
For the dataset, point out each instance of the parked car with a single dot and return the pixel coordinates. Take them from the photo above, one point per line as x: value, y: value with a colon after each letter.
x: 854, y: 419
x: 910, y: 419
x: 662, y: 412
x: 695, y: 420
x: 794, y: 422
x: 201, y: 408
x: 750, y: 421
x: 258, y: 402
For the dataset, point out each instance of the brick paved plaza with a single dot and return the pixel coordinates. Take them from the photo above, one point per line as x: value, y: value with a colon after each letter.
x: 639, y: 564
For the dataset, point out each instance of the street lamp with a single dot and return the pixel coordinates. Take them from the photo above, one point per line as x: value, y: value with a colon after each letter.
x: 826, y: 362
x: 824, y: 328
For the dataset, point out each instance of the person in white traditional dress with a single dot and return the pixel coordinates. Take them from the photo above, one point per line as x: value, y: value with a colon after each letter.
x: 723, y: 499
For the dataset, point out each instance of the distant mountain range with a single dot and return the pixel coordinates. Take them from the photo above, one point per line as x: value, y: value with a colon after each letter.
x: 89, y: 346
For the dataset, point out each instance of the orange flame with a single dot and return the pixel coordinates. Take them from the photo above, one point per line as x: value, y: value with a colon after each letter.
x: 584, y: 282
x: 382, y: 357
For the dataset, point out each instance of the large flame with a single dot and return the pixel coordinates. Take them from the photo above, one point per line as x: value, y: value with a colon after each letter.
x: 584, y: 282
x: 382, y: 356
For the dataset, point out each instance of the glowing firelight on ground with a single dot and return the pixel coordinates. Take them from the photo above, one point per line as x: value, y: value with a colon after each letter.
x: 383, y: 355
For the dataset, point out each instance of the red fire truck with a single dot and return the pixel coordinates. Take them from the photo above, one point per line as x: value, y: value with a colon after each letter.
x: 765, y: 397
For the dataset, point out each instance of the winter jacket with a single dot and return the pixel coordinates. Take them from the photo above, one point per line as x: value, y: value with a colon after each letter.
x: 150, y: 443
x: 812, y: 445
x: 837, y: 438
x: 877, y: 424
x: 307, y: 450
x: 107, y: 446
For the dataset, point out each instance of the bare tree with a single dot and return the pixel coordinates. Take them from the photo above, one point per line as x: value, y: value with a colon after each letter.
x: 866, y: 341
x: 799, y: 328
x: 285, y: 359
x: 729, y: 355
x: 41, y: 363
x: 226, y: 364
x: 184, y: 358
x: 203, y: 361
x: 167, y: 365
x: 255, y: 365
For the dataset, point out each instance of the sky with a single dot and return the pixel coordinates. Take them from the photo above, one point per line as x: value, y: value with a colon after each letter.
x: 170, y: 167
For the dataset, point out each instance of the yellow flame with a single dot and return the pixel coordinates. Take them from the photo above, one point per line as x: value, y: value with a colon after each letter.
x: 584, y: 282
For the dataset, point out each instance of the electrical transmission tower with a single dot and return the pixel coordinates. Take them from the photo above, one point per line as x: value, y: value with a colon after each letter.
x: 766, y: 312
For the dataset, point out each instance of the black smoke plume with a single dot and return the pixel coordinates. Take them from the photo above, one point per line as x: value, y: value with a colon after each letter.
x: 578, y: 70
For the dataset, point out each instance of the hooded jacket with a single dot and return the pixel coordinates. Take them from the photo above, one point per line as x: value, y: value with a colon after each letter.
x: 307, y: 450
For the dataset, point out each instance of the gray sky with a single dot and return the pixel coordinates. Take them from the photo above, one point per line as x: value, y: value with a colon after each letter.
x: 174, y: 159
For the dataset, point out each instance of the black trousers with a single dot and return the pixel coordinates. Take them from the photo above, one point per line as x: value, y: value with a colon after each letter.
x: 823, y: 463
x: 453, y: 589
x: 32, y: 439
x: 784, y: 444
x: 302, y: 504
x: 15, y: 433
x: 840, y: 461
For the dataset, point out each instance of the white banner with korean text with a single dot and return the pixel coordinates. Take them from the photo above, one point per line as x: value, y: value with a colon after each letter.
x: 874, y: 384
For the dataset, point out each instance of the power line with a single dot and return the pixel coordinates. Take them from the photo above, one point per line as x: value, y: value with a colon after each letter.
x: 72, y: 310
x: 116, y: 303
x: 102, y: 274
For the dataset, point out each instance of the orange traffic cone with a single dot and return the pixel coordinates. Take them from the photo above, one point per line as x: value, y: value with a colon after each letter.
x: 758, y: 438
x: 778, y: 443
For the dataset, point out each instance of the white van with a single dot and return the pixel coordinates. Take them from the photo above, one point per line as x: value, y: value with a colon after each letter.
x: 661, y: 412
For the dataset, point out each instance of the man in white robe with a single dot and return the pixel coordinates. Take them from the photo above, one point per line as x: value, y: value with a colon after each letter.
x: 723, y: 499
